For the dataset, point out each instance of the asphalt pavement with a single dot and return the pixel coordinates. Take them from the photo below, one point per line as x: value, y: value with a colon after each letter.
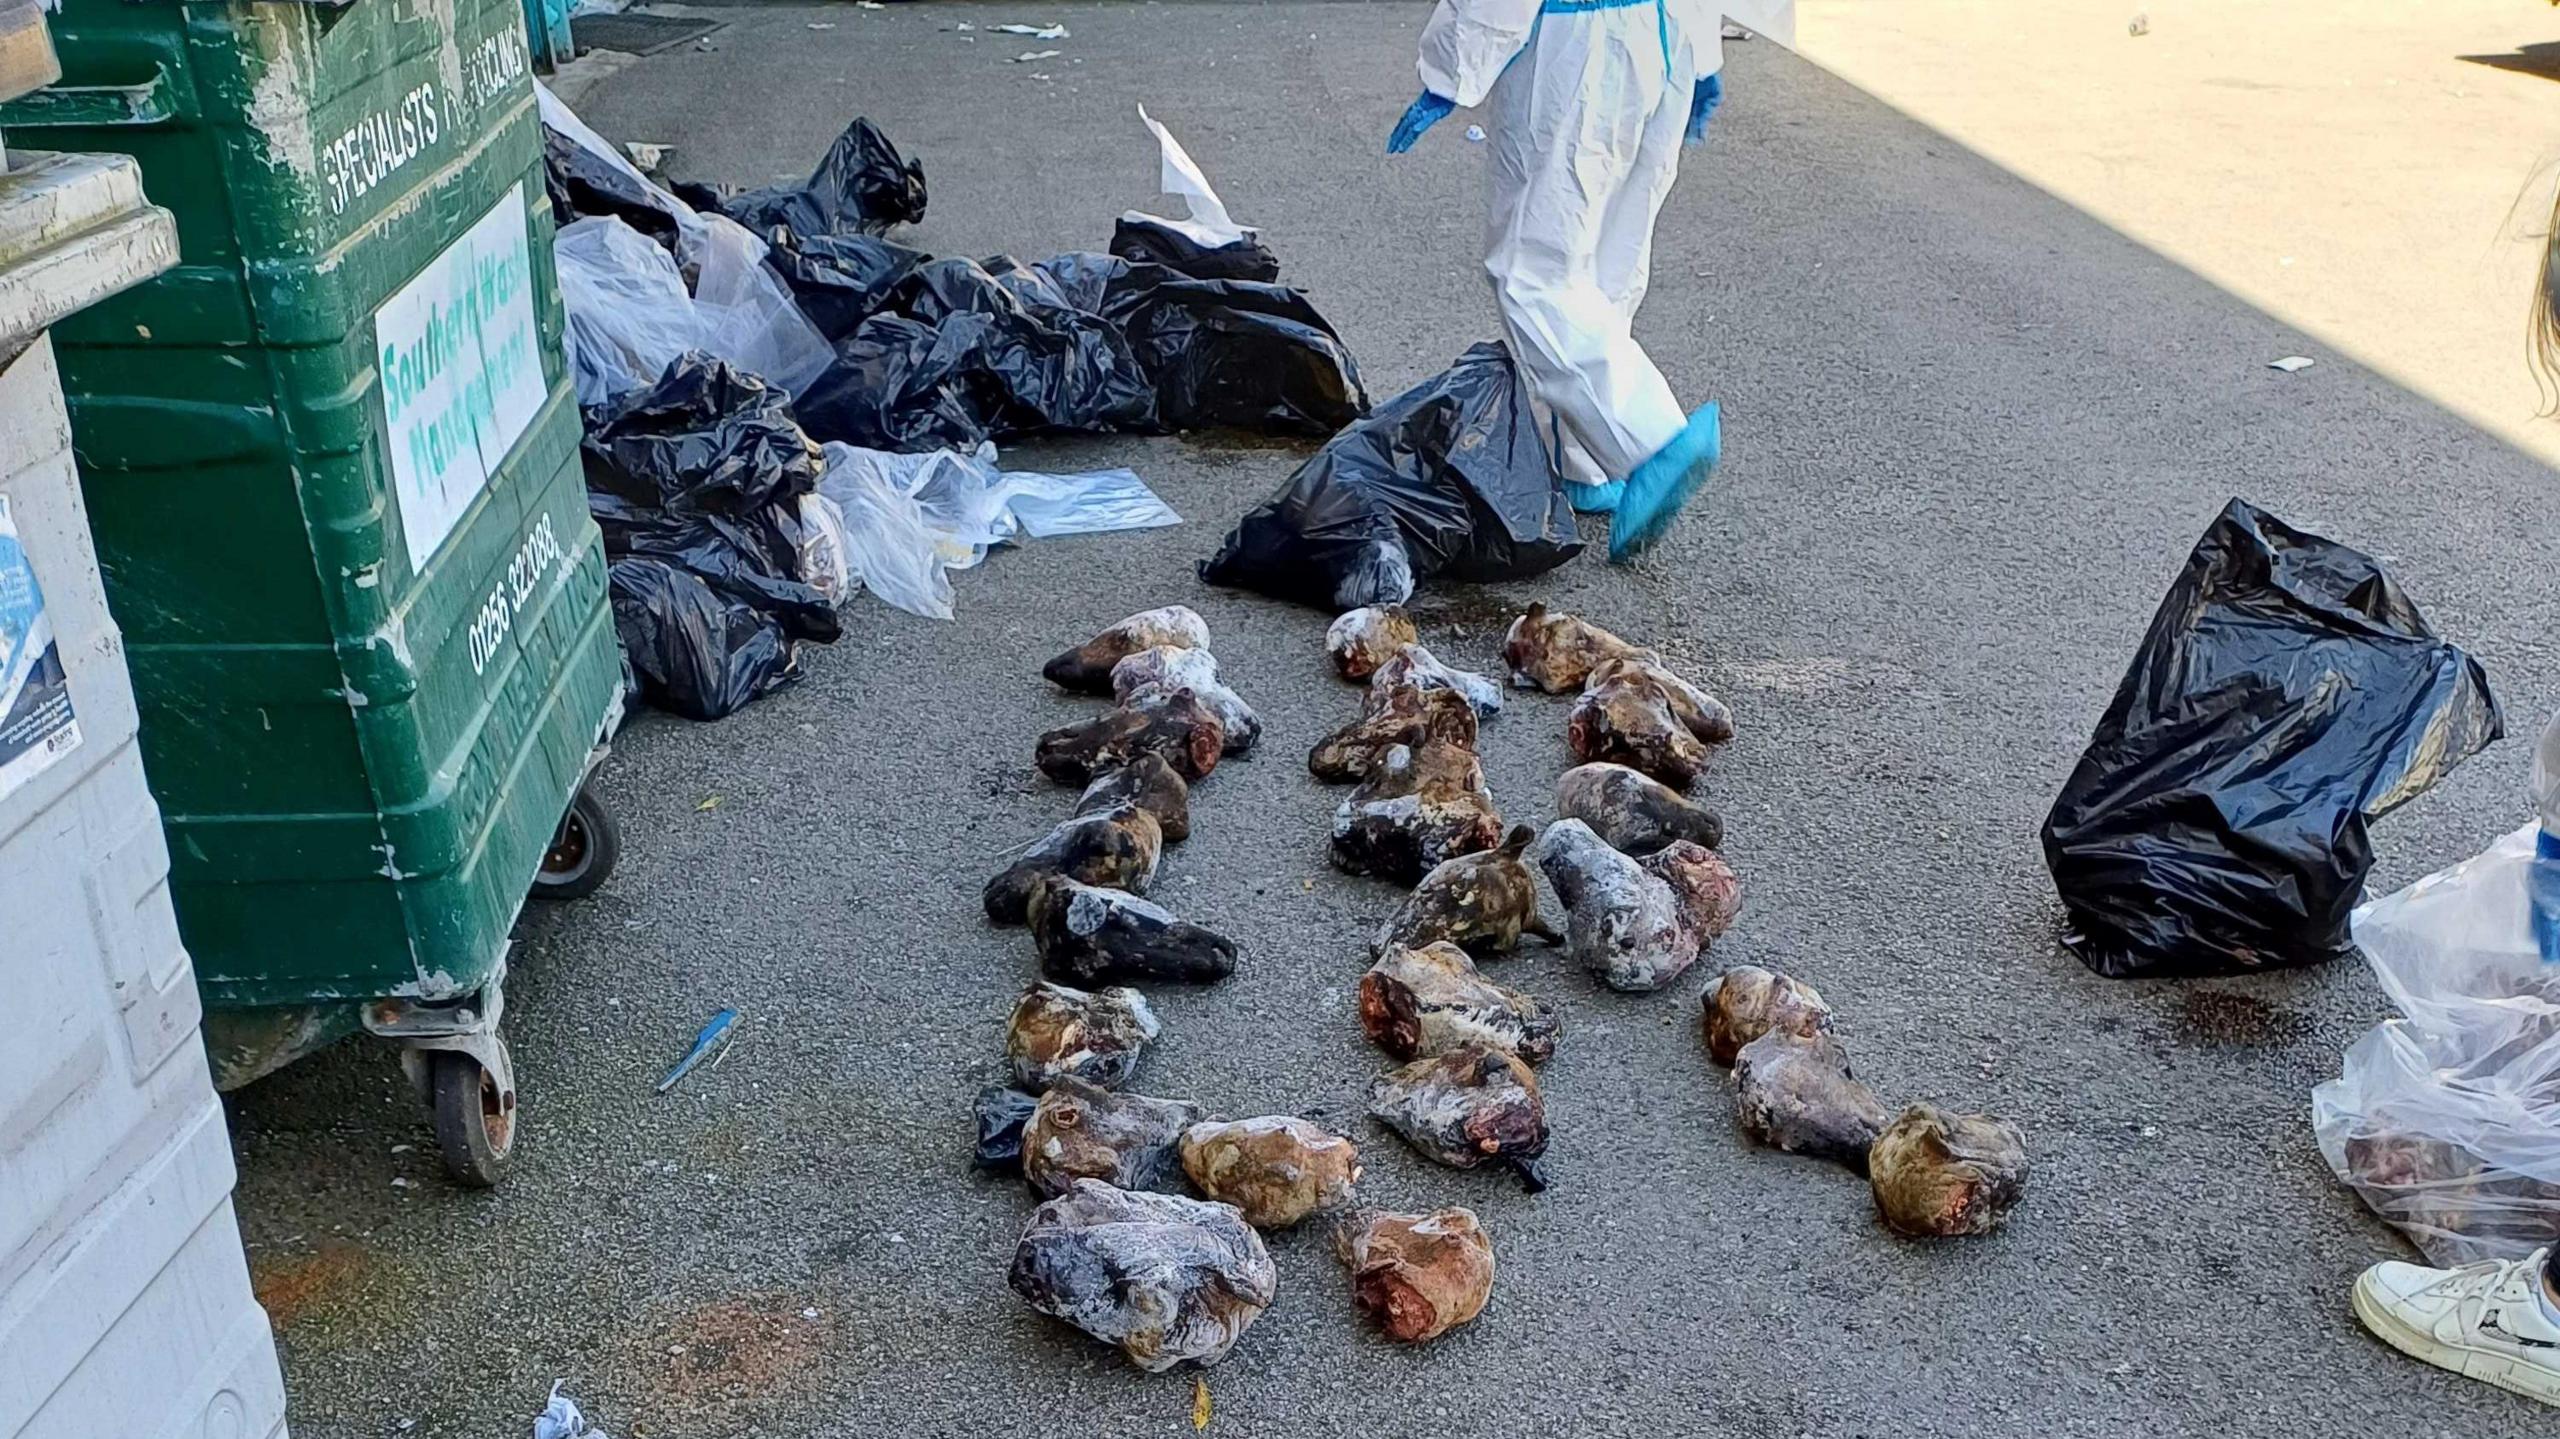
x: 1971, y: 434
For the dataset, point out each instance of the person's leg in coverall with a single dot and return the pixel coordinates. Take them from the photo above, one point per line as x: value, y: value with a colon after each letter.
x: 1590, y: 102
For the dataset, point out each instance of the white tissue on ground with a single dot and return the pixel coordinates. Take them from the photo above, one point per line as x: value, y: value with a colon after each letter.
x: 1209, y: 224
x: 560, y: 1419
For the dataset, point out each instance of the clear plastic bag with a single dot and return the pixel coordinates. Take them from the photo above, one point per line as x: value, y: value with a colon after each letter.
x: 975, y: 506
x: 747, y: 315
x: 629, y: 316
x: 893, y: 552
x: 912, y: 518
x: 737, y: 309
x: 2447, y: 1120
x: 1046, y: 506
x: 958, y: 496
x: 824, y: 547
x: 560, y: 1418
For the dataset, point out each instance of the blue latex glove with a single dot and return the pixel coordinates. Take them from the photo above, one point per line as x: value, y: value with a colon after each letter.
x: 1419, y: 116
x: 1703, y: 103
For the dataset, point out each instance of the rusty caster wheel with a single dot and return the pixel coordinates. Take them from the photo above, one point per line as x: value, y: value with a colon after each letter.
x: 583, y: 851
x: 475, y: 1123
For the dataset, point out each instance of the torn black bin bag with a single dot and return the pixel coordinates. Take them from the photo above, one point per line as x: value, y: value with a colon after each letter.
x: 1085, y: 279
x: 896, y: 385
x: 694, y: 652
x: 735, y: 557
x: 939, y: 289
x: 1057, y: 370
x: 697, y: 470
x: 1030, y: 362
x: 1237, y: 353
x: 707, y: 438
x: 1232, y: 352
x: 862, y: 187
x: 1030, y: 284
x: 2287, y: 694
x: 582, y: 183
x: 841, y: 280
x: 1448, y: 480
x: 962, y: 352
x: 1146, y: 240
x: 973, y: 352
x: 703, y: 197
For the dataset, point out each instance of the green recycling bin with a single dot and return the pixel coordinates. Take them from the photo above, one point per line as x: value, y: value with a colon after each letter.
x: 331, y: 461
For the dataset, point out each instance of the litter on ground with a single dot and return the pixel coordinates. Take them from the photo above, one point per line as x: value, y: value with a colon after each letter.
x: 713, y: 1039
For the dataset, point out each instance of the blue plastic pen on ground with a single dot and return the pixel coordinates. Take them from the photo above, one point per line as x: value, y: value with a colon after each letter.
x: 713, y: 1036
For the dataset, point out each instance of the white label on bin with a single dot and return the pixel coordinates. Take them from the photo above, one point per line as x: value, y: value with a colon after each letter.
x: 461, y: 373
x: 36, y: 723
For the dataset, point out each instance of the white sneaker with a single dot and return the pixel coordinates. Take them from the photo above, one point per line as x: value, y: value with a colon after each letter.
x: 2482, y: 1320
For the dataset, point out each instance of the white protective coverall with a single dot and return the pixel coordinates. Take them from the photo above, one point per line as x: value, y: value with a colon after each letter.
x: 1589, y: 100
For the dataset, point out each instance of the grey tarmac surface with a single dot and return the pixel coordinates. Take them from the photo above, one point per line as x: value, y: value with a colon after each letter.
x: 1971, y: 434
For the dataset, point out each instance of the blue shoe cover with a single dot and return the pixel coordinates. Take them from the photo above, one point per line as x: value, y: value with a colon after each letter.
x: 1663, y: 483
x: 1594, y: 499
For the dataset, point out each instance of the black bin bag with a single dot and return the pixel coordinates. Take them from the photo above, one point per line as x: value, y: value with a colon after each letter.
x: 862, y: 187
x: 2287, y: 694
x: 1226, y: 352
x: 841, y: 280
x: 1146, y: 240
x: 965, y: 352
x: 703, y: 470
x: 693, y: 651
x: 581, y: 183
x: 1448, y: 480
x: 1028, y: 360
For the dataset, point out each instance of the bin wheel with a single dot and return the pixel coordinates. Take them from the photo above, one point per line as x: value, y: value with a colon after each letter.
x: 583, y: 850
x: 475, y: 1123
